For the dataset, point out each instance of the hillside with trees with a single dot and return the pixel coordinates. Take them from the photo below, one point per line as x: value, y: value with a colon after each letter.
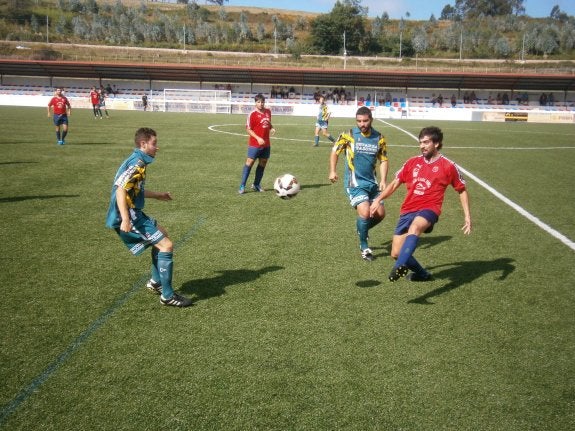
x: 474, y: 29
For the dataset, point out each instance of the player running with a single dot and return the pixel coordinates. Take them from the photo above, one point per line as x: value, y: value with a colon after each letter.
x: 363, y: 147
x: 322, y: 121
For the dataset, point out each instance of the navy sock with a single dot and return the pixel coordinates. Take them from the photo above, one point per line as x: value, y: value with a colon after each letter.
x: 406, y: 250
x: 64, y: 133
x: 245, y: 174
x: 259, y: 175
x: 165, y: 267
x: 415, y: 266
x: 331, y: 138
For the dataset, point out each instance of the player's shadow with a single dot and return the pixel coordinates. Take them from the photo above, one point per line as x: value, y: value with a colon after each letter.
x: 205, y: 288
x: 27, y: 198
x: 315, y: 186
x: 424, y: 242
x: 15, y: 163
x: 461, y: 273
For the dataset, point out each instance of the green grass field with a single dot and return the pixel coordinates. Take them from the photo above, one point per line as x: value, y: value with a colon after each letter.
x: 290, y: 330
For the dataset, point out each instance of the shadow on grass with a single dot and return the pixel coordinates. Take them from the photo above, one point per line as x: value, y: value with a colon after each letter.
x: 315, y: 186
x: 206, y: 288
x: 424, y: 243
x: 461, y: 273
x: 15, y: 163
x: 27, y: 198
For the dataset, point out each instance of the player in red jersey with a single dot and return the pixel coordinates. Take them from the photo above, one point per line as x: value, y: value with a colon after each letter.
x: 259, y: 127
x: 426, y: 178
x: 95, y: 101
x: 62, y: 110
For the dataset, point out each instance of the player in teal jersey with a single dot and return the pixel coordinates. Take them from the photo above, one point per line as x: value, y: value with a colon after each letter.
x: 363, y: 147
x: 322, y: 121
x: 137, y: 230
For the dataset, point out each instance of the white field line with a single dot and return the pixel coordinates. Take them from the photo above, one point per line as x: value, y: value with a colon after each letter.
x: 506, y: 200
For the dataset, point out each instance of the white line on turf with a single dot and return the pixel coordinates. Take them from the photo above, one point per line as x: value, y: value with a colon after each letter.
x: 506, y: 200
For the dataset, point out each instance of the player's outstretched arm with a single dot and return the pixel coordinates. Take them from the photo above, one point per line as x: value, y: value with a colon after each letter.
x: 161, y: 196
x: 388, y: 191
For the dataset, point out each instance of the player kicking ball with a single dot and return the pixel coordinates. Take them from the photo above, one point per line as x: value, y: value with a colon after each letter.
x: 136, y: 230
x: 426, y: 177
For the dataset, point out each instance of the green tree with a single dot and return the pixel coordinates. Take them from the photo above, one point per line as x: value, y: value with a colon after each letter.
x: 347, y: 17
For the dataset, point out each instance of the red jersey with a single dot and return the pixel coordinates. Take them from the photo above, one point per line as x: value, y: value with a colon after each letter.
x: 94, y: 97
x: 261, y: 124
x: 60, y: 104
x: 426, y: 183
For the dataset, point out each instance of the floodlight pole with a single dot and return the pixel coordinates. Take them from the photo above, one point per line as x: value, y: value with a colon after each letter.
x: 344, y: 53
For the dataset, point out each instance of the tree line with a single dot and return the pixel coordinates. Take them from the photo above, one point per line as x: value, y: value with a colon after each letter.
x: 476, y: 28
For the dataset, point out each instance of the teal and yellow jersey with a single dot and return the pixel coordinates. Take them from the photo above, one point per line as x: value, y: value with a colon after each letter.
x: 131, y: 176
x: 323, y: 114
x: 362, y: 153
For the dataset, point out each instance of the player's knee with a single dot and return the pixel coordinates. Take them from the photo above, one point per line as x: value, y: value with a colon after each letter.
x: 165, y: 245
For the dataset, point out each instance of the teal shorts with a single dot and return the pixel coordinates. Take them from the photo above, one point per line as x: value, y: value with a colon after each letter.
x: 358, y: 195
x: 144, y: 234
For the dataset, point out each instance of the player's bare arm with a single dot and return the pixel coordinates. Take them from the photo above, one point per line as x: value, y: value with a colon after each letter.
x: 464, y: 199
x: 161, y: 196
x: 332, y: 167
x: 386, y: 192
x: 122, y: 203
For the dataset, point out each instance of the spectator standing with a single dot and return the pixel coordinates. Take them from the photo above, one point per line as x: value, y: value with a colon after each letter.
x: 145, y: 102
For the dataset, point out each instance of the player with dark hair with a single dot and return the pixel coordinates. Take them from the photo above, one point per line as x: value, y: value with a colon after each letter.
x: 322, y: 122
x: 135, y: 228
x: 95, y: 101
x: 426, y: 177
x: 363, y: 147
x: 62, y: 110
x: 259, y: 127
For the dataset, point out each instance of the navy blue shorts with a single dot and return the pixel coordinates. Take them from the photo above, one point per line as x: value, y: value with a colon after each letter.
x: 406, y: 219
x: 259, y: 152
x: 60, y: 119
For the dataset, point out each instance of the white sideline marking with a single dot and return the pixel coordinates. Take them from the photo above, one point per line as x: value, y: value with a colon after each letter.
x: 508, y: 201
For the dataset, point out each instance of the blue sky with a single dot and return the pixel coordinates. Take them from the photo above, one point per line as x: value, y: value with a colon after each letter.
x: 418, y: 9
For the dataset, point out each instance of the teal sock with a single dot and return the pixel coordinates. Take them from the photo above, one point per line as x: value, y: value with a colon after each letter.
x: 155, y: 272
x: 165, y: 267
x: 316, y: 140
x: 407, y: 250
x: 331, y: 138
x: 362, y: 231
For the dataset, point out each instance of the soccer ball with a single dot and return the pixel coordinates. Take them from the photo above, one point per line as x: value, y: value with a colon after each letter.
x: 286, y: 186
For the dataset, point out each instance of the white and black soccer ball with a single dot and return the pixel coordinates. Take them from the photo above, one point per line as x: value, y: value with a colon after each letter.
x: 286, y: 186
